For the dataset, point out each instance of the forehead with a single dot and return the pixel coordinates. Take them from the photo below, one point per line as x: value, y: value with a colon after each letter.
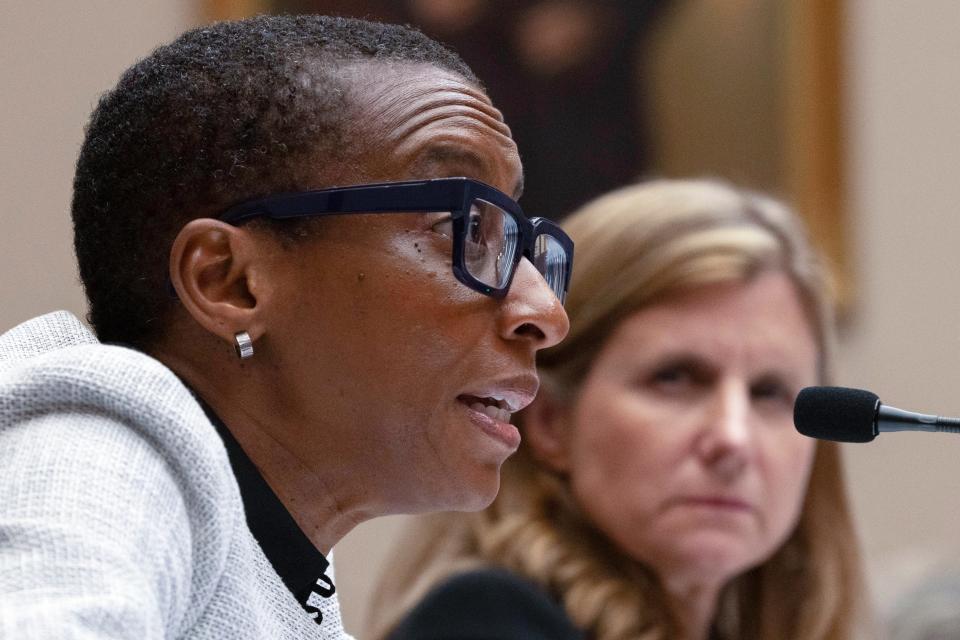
x: 417, y: 120
x: 762, y: 318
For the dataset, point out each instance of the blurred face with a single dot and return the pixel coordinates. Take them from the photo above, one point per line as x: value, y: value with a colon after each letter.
x: 682, y: 448
x: 376, y: 343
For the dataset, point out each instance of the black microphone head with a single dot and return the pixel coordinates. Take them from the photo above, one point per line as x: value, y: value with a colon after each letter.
x: 836, y: 413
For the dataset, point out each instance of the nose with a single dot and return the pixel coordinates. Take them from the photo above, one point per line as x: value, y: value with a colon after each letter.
x: 725, y: 439
x: 531, y: 311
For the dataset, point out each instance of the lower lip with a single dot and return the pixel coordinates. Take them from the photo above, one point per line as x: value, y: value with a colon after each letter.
x: 504, y: 432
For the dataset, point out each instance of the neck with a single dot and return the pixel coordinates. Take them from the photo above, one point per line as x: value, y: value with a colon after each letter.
x: 693, y: 605
x: 322, y: 487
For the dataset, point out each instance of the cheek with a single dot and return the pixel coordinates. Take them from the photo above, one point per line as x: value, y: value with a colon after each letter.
x: 787, y: 472
x: 620, y: 462
x: 410, y: 309
x: 389, y: 320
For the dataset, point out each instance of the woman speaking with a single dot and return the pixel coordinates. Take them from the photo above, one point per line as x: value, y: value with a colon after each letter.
x: 316, y: 301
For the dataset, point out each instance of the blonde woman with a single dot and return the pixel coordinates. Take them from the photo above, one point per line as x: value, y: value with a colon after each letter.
x: 661, y: 490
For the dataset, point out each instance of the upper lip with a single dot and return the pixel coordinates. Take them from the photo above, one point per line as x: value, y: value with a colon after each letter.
x: 516, y: 392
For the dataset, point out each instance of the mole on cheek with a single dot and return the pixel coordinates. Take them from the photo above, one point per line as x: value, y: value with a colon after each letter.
x: 361, y: 276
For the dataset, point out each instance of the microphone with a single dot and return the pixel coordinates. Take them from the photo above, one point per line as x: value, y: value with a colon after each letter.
x: 856, y: 415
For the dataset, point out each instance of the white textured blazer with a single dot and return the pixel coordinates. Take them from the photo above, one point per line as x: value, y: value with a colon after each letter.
x: 120, y: 516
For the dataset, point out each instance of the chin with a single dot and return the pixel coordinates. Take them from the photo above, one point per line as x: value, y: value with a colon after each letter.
x: 714, y: 557
x: 699, y: 553
x: 476, y: 492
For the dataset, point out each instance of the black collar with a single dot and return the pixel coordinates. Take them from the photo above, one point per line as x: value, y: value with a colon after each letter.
x: 299, y: 564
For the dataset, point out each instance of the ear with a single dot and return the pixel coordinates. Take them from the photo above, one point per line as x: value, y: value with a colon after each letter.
x: 547, y: 430
x: 214, y: 268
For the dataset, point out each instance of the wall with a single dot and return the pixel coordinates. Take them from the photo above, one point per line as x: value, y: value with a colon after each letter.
x: 903, y: 100
x: 904, y: 177
x: 58, y: 56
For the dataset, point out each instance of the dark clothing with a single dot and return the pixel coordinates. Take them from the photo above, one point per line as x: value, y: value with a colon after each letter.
x: 492, y: 604
x: 299, y: 564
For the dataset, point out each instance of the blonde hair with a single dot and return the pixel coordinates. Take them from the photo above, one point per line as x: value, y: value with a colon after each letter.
x: 634, y: 247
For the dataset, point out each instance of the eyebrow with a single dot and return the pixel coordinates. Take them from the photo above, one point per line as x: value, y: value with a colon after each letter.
x: 456, y: 155
x: 697, y: 361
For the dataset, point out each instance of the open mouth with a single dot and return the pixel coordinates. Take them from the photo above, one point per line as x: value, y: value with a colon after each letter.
x: 491, y: 406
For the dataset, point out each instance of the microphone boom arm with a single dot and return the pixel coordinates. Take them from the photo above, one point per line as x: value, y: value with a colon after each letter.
x: 893, y: 419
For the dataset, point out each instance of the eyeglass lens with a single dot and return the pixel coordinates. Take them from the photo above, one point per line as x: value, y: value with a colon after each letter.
x: 491, y: 243
x: 550, y: 259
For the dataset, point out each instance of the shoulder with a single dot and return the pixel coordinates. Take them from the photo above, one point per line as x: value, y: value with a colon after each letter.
x: 112, y: 481
x: 114, y: 417
x: 56, y: 377
x: 95, y: 382
x: 39, y: 335
x: 490, y: 603
x: 89, y: 406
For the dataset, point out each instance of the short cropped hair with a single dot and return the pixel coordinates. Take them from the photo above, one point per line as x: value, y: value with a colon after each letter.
x: 225, y: 112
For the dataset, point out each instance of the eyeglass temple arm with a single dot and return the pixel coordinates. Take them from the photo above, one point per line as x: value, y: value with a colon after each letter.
x: 389, y: 198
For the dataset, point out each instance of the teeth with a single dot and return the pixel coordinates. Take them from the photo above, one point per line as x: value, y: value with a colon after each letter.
x: 503, y: 402
x: 491, y: 411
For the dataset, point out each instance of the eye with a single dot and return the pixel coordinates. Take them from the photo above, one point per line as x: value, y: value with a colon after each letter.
x: 772, y: 390
x: 673, y: 379
x: 679, y: 376
x: 444, y: 226
x: 671, y: 375
x: 475, y: 232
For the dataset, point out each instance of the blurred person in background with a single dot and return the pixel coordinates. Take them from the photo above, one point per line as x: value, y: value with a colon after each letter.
x: 661, y: 490
x: 316, y: 301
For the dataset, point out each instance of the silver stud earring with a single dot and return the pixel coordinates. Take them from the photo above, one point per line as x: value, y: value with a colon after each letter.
x: 243, y: 345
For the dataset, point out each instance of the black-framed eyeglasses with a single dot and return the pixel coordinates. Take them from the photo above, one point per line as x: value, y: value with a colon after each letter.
x: 490, y: 232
